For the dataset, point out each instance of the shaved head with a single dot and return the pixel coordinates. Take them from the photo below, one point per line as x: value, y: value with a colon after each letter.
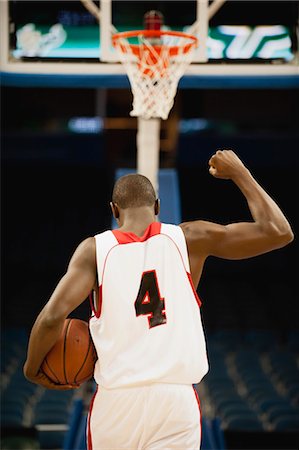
x: 133, y: 191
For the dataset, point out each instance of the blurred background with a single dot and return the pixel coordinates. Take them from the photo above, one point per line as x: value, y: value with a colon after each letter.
x: 63, y: 139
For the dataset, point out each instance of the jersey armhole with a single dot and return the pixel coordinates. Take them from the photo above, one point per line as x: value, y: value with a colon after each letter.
x: 95, y: 301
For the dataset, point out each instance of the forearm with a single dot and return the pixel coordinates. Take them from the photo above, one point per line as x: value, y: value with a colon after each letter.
x: 265, y: 212
x: 42, y: 338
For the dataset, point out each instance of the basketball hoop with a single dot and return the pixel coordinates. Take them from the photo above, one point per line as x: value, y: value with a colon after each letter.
x: 154, y: 66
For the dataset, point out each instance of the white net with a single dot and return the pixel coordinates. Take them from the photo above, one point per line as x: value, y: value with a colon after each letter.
x: 154, y: 68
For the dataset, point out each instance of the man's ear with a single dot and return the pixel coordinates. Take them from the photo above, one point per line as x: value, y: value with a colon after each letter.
x: 157, y: 207
x: 115, y: 210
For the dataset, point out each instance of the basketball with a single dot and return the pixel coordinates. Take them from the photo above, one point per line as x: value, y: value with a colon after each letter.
x: 71, y: 360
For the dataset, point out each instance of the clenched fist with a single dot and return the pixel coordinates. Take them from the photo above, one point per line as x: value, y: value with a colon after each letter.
x: 225, y: 164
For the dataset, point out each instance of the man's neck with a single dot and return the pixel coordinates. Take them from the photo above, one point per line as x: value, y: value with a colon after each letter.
x: 136, y: 220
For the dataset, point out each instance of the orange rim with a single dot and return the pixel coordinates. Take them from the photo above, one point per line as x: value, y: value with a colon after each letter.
x: 173, y: 49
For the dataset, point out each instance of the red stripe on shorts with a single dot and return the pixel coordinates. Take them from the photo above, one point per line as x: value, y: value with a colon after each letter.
x: 89, y: 441
x: 198, y: 402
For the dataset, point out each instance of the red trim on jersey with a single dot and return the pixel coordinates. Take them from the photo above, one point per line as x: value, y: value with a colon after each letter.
x: 89, y: 441
x: 100, y: 301
x: 193, y: 289
x: 97, y: 311
x: 198, y: 402
x: 127, y: 237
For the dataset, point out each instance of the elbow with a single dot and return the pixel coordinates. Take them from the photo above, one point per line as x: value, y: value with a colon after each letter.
x: 281, y: 236
x: 50, y: 319
x: 289, y: 237
x: 286, y: 239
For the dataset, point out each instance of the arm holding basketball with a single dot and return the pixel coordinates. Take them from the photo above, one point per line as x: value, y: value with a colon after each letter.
x: 268, y: 231
x: 73, y: 288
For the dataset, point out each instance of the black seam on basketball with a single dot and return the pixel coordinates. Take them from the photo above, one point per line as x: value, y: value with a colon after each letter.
x: 82, y: 365
x: 64, y: 350
x: 53, y: 373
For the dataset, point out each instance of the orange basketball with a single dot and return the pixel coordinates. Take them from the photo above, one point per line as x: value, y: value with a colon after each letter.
x: 72, y: 359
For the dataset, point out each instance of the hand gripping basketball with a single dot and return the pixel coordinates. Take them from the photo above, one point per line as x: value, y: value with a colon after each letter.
x: 44, y: 381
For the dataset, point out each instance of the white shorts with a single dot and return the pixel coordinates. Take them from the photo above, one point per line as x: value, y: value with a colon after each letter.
x: 158, y: 416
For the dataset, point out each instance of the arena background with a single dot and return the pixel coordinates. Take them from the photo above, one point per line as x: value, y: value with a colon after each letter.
x: 61, y: 147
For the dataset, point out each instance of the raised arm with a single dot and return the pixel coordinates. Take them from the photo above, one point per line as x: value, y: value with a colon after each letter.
x: 73, y: 288
x: 269, y: 229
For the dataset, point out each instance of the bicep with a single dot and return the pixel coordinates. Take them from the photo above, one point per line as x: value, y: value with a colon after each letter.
x: 242, y: 240
x: 234, y: 241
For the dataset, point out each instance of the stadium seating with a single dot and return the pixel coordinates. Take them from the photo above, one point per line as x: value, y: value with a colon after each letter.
x: 251, y: 380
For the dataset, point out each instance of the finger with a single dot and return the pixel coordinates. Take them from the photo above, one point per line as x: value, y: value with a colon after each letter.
x: 64, y: 387
x: 61, y: 387
x: 46, y: 382
x: 212, y: 170
x: 212, y: 160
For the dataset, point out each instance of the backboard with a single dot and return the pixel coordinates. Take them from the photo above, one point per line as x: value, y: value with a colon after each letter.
x: 69, y: 38
x: 190, y: 16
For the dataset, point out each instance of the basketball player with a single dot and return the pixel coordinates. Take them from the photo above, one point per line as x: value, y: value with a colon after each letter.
x: 146, y: 323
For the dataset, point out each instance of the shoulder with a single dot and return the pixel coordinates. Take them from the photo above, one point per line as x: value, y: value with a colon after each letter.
x: 200, y: 233
x: 87, y: 244
x: 196, y: 229
x: 85, y: 250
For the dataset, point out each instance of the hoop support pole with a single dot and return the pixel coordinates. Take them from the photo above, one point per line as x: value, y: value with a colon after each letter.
x: 148, y: 149
x: 212, y: 10
x: 201, y: 55
x: 92, y: 8
x: 106, y: 31
x: 4, y: 33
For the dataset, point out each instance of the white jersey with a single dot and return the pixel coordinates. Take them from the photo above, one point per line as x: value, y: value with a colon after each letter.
x: 147, y: 327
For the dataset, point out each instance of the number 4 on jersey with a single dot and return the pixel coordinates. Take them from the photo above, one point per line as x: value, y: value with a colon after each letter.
x: 149, y: 301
